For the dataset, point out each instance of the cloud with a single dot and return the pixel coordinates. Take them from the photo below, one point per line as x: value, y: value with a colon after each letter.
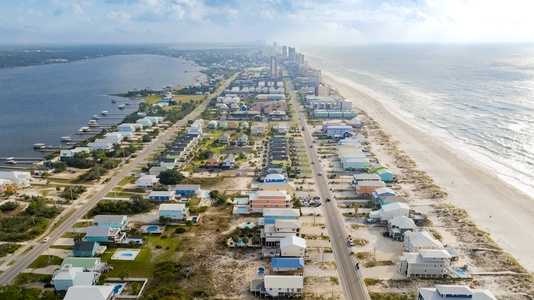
x: 118, y: 16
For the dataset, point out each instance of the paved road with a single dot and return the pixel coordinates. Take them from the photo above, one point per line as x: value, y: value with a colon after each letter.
x: 350, y: 278
x: 26, y: 259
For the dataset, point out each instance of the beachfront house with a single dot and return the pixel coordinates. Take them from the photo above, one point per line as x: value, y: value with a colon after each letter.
x: 275, y: 178
x: 278, y: 286
x: 261, y: 200
x: 357, y: 178
x: 427, y: 263
x: 276, y: 186
x: 85, y: 249
x: 389, y: 211
x: 69, y: 276
x: 367, y: 187
x: 162, y: 195
x: 386, y: 175
x: 271, y: 234
x: 441, y: 292
x: 390, y: 199
x: 293, y: 265
x: 174, y: 212
x: 187, y: 189
x: 113, y: 221
x: 420, y: 239
x: 399, y: 225
x: 293, y: 246
x: 146, y: 181
x: 382, y: 192
x: 270, y: 215
x: 90, y: 292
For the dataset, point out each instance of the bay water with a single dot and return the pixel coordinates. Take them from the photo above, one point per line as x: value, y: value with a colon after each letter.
x: 39, y: 104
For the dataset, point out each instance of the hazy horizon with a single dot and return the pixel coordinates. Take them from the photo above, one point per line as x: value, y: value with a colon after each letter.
x: 302, y: 23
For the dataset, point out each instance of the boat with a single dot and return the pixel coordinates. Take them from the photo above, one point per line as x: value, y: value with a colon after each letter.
x: 121, y: 106
x: 11, y: 161
x: 104, y: 113
x: 113, y: 101
x: 128, y: 103
x: 95, y: 117
x: 38, y: 145
x: 65, y: 138
x: 185, y: 71
x: 92, y: 123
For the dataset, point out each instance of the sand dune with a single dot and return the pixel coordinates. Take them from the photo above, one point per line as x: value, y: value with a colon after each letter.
x: 495, y: 206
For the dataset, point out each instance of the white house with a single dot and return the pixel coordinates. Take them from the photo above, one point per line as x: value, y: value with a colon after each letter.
x: 71, y: 152
x: 283, y: 286
x: 114, y: 137
x: 426, y: 263
x: 391, y: 210
x: 90, y: 292
x: 271, y: 234
x: 100, y: 144
x: 420, y: 239
x: 441, y: 292
x: 175, y: 212
x: 293, y: 246
x: 69, y: 276
x: 19, y: 179
x: 399, y: 225
x: 146, y: 181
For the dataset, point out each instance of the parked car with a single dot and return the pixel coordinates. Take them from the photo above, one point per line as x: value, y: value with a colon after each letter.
x: 369, y: 220
x: 320, y: 174
x: 328, y: 199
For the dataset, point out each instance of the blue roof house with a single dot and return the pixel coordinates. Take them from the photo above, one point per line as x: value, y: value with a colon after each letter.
x: 287, y: 264
x: 85, y: 249
x: 187, y: 189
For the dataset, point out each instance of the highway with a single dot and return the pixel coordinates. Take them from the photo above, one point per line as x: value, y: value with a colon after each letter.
x: 24, y: 260
x: 351, y: 279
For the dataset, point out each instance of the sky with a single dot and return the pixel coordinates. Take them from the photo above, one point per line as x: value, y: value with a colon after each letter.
x: 297, y: 22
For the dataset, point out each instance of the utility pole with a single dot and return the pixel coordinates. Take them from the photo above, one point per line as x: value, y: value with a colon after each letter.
x: 48, y: 251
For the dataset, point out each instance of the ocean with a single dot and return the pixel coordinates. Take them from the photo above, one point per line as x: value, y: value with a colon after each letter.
x: 39, y: 104
x: 478, y: 99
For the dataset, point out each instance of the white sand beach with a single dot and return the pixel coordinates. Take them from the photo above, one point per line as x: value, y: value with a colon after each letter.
x: 496, y: 207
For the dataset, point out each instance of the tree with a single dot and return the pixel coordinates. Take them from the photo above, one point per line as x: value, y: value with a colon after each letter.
x: 170, y: 177
x: 164, y: 220
x: 124, y: 274
x: 255, y: 239
x: 245, y: 240
x: 235, y: 238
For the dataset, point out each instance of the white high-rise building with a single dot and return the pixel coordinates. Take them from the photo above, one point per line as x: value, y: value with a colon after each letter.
x: 274, y: 67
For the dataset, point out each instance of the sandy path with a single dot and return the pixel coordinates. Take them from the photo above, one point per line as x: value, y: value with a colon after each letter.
x: 469, y: 186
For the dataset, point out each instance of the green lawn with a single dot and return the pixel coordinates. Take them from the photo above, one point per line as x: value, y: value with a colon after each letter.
x: 42, y: 261
x: 141, y: 266
x: 194, y: 201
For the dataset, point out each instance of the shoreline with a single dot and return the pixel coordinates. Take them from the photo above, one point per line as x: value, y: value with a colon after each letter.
x: 469, y: 185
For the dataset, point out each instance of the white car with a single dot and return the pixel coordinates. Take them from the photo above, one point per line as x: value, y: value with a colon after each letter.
x: 46, y: 239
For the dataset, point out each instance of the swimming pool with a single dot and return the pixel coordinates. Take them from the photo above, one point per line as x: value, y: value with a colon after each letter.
x: 261, y: 271
x: 250, y: 192
x: 241, y: 200
x: 152, y: 228
x: 127, y: 254
x: 117, y: 289
x: 184, y: 200
x: 241, y: 209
